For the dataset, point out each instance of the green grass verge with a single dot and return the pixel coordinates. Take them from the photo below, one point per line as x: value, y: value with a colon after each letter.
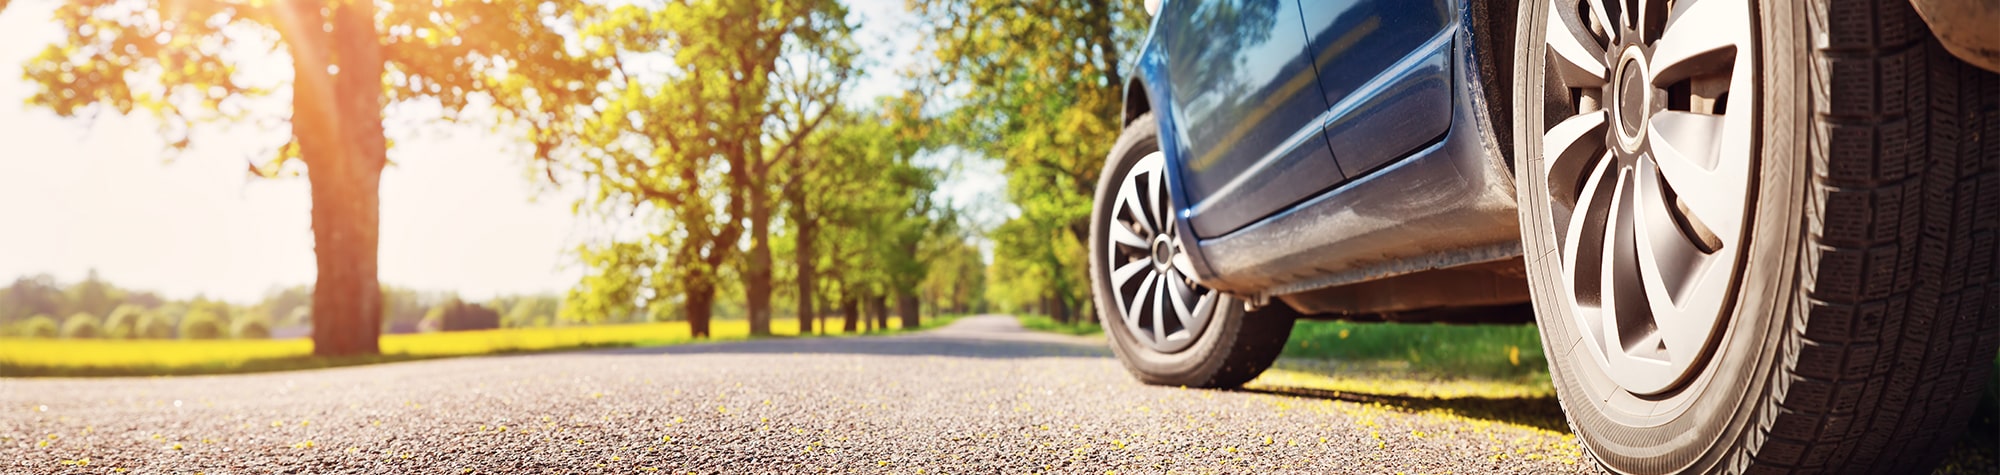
x: 1042, y: 323
x: 1447, y: 351
x: 1478, y: 351
x: 32, y: 357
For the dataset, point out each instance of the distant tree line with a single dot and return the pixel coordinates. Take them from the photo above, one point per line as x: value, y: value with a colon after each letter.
x: 39, y: 306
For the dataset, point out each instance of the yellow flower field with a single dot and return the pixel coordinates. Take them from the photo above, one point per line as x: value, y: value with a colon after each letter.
x: 55, y: 357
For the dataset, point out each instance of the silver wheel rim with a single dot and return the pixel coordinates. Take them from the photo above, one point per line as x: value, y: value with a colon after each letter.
x: 1158, y: 302
x: 1649, y: 176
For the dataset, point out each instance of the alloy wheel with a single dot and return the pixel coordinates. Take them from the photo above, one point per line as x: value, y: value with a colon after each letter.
x: 1649, y: 176
x: 1158, y: 300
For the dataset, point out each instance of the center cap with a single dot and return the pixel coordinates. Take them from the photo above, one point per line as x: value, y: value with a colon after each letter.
x: 1632, y: 99
x: 1163, y: 252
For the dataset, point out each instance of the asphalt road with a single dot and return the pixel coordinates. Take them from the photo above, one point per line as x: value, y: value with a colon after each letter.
x: 979, y: 396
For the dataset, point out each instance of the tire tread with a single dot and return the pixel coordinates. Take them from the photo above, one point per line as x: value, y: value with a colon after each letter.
x: 1900, y: 314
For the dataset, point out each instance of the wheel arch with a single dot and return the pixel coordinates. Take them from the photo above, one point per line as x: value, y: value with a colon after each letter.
x: 1136, y: 101
x: 1494, y: 33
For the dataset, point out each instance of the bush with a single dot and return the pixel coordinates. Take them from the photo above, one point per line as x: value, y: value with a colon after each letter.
x: 471, y: 317
x: 82, y: 325
x: 153, y: 326
x: 456, y: 315
x: 201, y: 324
x: 124, y: 322
x: 39, y: 326
x: 253, y: 328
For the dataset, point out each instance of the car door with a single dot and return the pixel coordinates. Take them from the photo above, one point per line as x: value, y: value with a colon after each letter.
x: 1384, y: 67
x: 1248, y: 110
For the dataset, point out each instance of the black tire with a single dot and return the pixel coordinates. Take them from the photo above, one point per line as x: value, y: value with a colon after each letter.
x: 1231, y: 350
x: 1865, y: 318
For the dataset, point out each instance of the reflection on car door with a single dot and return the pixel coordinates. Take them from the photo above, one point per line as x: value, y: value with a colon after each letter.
x: 1249, y: 110
x: 1385, y: 68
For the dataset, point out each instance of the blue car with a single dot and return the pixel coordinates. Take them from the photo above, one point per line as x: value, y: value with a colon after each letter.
x: 1756, y: 235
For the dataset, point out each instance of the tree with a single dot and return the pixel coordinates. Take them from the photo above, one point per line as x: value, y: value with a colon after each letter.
x: 827, y: 195
x: 38, y: 326
x: 202, y: 324
x: 215, y: 308
x: 123, y: 323
x: 907, y: 238
x: 862, y: 197
x: 810, y: 78
x: 81, y: 326
x: 1049, y: 112
x: 708, y: 98
x: 957, y: 280
x: 30, y: 296
x: 181, y: 61
x: 251, y: 327
x: 808, y: 102
x: 153, y: 326
x: 457, y: 315
x: 1038, y: 266
x: 92, y: 295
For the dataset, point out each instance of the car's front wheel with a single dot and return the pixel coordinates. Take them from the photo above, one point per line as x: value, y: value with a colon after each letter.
x: 1759, y: 235
x: 1164, y: 326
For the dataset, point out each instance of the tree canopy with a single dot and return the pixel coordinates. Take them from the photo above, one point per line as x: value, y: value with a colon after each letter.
x: 709, y: 107
x: 1049, y: 112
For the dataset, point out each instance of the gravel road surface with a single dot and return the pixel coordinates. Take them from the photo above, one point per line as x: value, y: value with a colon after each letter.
x: 978, y: 396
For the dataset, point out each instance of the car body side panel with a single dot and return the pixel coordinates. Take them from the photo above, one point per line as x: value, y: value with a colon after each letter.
x: 1402, y: 110
x: 1448, y: 204
x: 1249, y: 109
x: 1385, y: 68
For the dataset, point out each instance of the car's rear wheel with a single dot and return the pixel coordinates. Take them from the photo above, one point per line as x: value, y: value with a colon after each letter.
x: 1163, y: 325
x: 1759, y: 234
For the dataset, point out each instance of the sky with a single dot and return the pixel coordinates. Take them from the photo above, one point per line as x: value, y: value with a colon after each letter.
x: 462, y: 210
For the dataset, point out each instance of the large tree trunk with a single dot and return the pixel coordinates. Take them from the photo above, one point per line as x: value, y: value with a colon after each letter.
x: 867, y: 323
x: 908, y: 306
x: 802, y: 259
x: 700, y: 306
x: 757, y: 288
x: 850, y: 311
x: 337, y: 121
x: 878, y: 312
x: 347, y: 299
x: 821, y: 310
x: 1060, y: 307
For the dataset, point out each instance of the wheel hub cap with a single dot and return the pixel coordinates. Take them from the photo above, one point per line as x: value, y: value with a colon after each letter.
x: 1161, y: 306
x: 1649, y: 177
x: 1163, y: 253
x: 1633, y: 100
